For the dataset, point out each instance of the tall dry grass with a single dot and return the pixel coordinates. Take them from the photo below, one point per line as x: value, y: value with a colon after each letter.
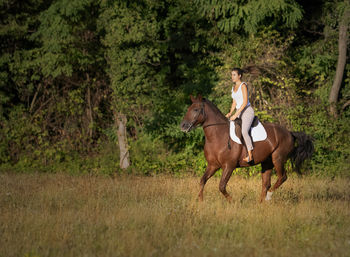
x: 62, y: 215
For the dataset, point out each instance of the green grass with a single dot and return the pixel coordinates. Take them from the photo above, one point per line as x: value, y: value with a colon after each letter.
x: 62, y: 215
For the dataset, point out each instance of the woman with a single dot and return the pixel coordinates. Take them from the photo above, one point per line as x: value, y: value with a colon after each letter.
x: 243, y: 109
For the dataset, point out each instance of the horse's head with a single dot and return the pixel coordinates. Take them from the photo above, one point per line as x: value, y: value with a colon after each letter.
x: 194, y: 116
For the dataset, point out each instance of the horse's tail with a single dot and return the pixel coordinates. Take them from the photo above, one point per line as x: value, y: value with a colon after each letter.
x: 303, y: 149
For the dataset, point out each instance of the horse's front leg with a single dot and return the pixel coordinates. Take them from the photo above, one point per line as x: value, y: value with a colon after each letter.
x: 226, y: 174
x: 209, y: 172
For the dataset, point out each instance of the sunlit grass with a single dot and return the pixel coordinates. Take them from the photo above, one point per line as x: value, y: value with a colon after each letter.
x: 62, y: 215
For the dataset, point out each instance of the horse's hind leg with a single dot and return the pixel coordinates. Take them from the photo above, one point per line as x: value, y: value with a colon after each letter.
x: 281, y: 174
x: 210, y: 171
x: 227, y: 172
x: 266, y: 178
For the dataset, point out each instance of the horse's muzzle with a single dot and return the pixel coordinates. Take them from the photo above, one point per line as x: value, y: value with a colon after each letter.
x: 185, y: 126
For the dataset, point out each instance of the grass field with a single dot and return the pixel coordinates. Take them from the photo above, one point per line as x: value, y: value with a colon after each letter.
x: 63, y: 215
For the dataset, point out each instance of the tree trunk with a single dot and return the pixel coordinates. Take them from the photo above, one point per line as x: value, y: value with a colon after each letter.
x: 342, y: 44
x: 89, y: 113
x: 120, y: 122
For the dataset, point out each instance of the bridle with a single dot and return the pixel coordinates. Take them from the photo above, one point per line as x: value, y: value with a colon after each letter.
x: 197, y: 115
x: 202, y: 111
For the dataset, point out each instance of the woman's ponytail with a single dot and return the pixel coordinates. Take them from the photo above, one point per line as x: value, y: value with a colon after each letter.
x: 251, y: 69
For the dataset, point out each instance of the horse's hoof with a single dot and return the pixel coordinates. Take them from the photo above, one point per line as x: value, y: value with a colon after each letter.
x: 268, y: 196
x: 229, y: 199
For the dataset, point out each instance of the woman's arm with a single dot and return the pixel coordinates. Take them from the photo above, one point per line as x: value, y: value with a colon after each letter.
x: 245, y: 101
x: 233, y: 106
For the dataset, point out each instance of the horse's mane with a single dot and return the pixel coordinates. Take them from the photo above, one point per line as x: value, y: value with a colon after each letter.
x: 214, y: 108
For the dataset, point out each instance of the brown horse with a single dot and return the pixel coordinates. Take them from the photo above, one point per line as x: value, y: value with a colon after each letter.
x: 221, y: 152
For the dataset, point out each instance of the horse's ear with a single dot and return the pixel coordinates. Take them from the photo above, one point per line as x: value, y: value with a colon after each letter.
x: 193, y: 99
x: 199, y: 98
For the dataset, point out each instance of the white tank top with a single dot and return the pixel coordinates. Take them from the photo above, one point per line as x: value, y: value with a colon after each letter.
x: 238, y: 96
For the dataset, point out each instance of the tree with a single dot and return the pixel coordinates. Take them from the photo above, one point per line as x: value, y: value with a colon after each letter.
x: 153, y: 54
x: 133, y: 58
x: 70, y: 61
x: 18, y: 76
x: 344, y: 22
x: 248, y: 15
x: 53, y: 77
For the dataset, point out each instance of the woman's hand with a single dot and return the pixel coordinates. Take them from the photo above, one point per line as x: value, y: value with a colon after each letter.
x: 234, y: 117
x: 228, y: 115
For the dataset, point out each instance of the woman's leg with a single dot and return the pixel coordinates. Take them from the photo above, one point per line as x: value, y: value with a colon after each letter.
x: 247, y: 119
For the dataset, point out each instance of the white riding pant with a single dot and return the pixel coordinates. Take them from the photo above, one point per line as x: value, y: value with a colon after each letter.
x: 247, y: 119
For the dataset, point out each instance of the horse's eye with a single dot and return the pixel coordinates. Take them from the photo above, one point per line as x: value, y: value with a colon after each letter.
x: 196, y: 110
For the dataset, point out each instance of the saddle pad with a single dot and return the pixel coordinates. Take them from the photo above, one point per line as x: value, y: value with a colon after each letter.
x: 258, y: 133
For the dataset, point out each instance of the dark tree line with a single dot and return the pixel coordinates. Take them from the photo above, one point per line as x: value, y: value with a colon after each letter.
x: 87, y: 84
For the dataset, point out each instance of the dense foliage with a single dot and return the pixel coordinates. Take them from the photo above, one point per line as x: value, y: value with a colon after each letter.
x: 67, y: 66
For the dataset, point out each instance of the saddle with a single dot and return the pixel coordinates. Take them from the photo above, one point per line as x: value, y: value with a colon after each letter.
x: 238, y: 127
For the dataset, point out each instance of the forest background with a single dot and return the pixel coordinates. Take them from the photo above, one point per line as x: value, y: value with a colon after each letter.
x: 92, y: 86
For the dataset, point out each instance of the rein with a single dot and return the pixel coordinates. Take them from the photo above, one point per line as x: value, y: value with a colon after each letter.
x: 214, y: 124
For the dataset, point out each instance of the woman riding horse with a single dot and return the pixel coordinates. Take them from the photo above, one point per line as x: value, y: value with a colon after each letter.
x: 221, y: 152
x: 240, y: 101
